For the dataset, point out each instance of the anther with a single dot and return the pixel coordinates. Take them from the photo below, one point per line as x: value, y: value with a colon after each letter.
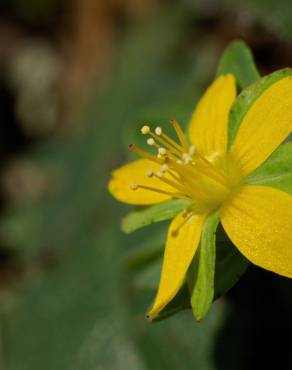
x: 164, y: 168
x: 162, y: 151
x: 158, y: 131
x: 149, y: 173
x: 145, y: 130
x: 134, y: 186
x: 150, y: 141
x: 159, y: 174
x: 186, y: 158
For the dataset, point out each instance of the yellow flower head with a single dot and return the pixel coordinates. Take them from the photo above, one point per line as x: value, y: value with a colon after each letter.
x: 210, y: 174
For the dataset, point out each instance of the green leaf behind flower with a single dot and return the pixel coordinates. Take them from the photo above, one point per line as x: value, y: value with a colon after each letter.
x: 160, y: 212
x: 238, y: 60
x: 248, y: 96
x: 276, y: 171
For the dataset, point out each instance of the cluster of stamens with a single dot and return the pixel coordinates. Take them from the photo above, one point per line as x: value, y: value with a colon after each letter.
x: 181, y: 167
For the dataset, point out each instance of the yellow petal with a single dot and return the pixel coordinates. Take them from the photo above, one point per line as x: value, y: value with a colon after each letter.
x: 179, y: 252
x: 136, y: 173
x: 258, y: 220
x: 266, y: 124
x: 209, y: 123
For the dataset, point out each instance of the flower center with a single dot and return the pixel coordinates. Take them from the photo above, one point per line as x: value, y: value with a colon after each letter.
x: 204, y: 182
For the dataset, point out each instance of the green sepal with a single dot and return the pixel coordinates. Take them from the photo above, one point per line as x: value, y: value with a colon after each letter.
x: 238, y: 60
x: 276, y: 171
x: 248, y: 96
x: 201, y: 273
x: 159, y: 212
x: 230, y: 264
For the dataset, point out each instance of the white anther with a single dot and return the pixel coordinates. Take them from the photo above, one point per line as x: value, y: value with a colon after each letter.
x: 162, y: 151
x: 134, y: 186
x: 159, y: 174
x: 192, y: 150
x: 159, y: 156
x: 150, y: 141
x: 158, y: 131
x: 186, y: 158
x: 179, y: 161
x: 164, y: 168
x: 145, y: 130
x: 149, y: 173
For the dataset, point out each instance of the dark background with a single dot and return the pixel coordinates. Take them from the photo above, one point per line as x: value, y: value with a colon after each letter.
x: 77, y: 78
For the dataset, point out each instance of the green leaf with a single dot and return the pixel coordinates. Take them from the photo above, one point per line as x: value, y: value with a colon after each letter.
x: 201, y: 273
x: 160, y: 212
x: 238, y: 60
x: 230, y: 264
x: 276, y: 171
x: 248, y: 96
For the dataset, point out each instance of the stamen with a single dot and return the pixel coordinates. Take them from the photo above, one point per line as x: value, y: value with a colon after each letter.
x: 167, y: 140
x: 145, y: 130
x: 142, y: 153
x: 212, y: 173
x: 162, y: 152
x: 180, y: 134
x: 186, y: 158
x: 174, y: 195
x: 188, y: 176
x: 173, y: 184
x: 171, y: 145
x: 174, y: 176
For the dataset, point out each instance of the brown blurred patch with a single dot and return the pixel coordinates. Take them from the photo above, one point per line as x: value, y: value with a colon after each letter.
x: 88, y: 55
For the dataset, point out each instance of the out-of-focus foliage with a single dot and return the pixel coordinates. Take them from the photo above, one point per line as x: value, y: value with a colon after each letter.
x: 79, y: 307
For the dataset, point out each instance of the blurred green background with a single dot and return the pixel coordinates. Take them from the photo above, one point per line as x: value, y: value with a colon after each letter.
x: 77, y: 79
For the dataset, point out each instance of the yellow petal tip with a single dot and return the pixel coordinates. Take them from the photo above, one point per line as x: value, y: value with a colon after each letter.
x: 154, y: 311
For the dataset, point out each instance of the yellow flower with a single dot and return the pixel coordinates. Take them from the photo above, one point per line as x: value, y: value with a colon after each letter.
x: 210, y: 174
